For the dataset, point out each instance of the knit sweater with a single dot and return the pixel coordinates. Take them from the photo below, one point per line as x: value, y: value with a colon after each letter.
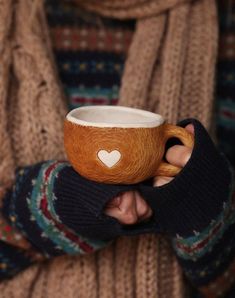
x: 61, y: 212
x: 225, y: 103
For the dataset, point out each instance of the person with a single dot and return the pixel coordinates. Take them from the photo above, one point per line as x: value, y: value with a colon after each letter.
x: 50, y: 210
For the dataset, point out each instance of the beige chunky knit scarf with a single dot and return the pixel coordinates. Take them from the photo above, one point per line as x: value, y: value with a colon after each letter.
x: 169, y: 70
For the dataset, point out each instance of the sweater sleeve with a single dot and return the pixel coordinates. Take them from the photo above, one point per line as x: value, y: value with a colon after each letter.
x: 208, y: 255
x: 197, y: 211
x: 59, y: 211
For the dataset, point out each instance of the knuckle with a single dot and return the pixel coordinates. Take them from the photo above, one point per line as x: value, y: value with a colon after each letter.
x: 144, y: 209
x: 129, y: 219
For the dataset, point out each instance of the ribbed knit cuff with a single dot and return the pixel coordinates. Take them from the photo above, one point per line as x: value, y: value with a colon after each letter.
x: 80, y: 204
x: 196, y: 195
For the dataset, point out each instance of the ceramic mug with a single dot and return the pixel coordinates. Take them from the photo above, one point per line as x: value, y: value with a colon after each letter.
x: 120, y: 145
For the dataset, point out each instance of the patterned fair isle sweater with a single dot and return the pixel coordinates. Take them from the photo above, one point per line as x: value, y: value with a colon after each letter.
x: 60, y: 212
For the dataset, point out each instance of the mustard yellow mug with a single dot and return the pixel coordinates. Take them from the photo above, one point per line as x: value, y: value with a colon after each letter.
x: 120, y: 145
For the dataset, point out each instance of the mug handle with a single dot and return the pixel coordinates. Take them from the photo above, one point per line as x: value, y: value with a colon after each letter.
x: 173, y: 131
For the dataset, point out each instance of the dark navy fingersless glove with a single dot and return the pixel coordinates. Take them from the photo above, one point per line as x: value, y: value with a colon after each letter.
x: 80, y: 204
x: 196, y: 195
x: 55, y: 197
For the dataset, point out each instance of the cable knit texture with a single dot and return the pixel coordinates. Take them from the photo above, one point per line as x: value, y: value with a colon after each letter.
x: 172, y: 74
x: 171, y: 59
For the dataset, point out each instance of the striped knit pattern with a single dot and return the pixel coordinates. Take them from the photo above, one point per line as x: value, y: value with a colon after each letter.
x: 210, y: 254
x: 197, y: 246
x: 40, y: 222
x: 90, y: 53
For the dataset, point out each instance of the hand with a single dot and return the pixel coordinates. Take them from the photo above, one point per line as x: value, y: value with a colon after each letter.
x: 130, y: 207
x: 177, y: 155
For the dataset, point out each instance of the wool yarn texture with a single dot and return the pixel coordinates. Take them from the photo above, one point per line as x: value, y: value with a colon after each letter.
x: 169, y: 70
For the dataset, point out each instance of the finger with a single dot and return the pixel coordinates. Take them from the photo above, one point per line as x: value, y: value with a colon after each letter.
x: 115, y: 202
x: 161, y: 180
x: 126, y: 211
x: 143, y: 209
x: 147, y: 216
x: 127, y: 208
x: 112, y: 211
x: 190, y: 128
x: 178, y: 155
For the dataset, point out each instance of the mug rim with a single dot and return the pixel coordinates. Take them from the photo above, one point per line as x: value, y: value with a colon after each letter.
x: 155, y: 119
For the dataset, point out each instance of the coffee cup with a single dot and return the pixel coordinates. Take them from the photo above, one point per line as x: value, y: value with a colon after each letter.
x: 120, y: 145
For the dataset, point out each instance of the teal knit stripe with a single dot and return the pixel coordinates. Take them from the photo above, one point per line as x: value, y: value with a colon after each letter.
x: 96, y: 92
x: 47, y: 226
x: 198, y: 245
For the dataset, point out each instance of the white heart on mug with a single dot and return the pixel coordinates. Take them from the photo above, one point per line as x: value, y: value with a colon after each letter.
x: 109, y: 158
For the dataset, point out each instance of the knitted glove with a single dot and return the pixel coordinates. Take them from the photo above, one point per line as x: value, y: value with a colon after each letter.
x: 196, y: 195
x: 80, y: 204
x: 55, y: 208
